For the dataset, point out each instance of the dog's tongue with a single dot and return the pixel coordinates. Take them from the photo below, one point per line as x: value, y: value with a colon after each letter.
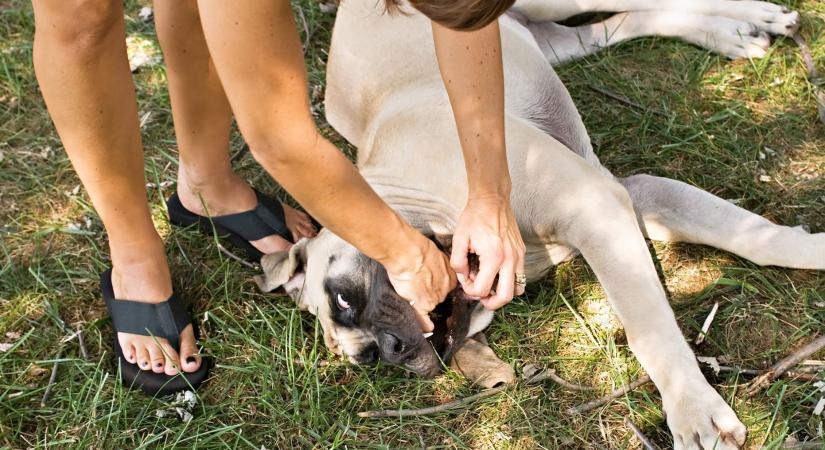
x: 452, y: 322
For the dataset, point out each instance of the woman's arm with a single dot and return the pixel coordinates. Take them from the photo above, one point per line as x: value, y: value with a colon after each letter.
x: 266, y: 84
x: 471, y: 67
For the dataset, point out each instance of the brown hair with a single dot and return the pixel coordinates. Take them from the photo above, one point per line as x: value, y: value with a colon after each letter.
x: 462, y: 15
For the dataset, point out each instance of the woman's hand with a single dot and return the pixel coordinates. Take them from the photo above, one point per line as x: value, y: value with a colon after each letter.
x: 488, y: 228
x: 424, y: 279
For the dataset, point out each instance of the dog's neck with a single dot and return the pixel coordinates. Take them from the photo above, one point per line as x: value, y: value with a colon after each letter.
x: 428, y: 213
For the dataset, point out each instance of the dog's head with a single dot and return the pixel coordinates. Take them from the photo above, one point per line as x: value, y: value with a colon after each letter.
x: 361, y: 314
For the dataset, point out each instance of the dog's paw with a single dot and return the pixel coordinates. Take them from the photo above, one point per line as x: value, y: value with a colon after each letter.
x: 701, y: 420
x: 767, y: 17
x: 736, y: 39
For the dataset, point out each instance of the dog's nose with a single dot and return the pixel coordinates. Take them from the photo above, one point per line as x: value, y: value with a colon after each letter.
x: 393, y: 349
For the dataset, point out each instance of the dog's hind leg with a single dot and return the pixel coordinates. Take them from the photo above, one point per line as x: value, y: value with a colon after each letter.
x: 670, y: 210
x: 729, y: 37
x: 765, y: 16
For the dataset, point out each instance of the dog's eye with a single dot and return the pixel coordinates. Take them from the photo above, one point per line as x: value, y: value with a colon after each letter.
x: 339, y: 299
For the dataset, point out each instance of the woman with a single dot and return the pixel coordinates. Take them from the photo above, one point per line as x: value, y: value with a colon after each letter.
x: 245, y: 58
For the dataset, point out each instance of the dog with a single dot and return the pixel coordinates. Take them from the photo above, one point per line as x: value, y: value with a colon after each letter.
x: 385, y: 96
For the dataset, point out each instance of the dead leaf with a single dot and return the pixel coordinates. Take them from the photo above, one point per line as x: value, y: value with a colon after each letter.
x: 711, y: 361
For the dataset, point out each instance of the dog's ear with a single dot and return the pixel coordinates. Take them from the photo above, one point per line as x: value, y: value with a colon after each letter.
x: 284, y: 269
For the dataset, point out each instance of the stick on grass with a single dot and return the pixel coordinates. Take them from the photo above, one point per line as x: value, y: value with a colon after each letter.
x: 534, y: 379
x: 52, y: 378
x: 595, y: 403
x: 813, y: 75
x: 642, y: 438
x: 784, y: 365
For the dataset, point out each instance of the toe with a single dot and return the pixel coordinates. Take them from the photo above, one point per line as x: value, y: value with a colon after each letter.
x: 730, y: 429
x: 142, y: 354
x: 126, y: 347
x: 171, y: 358
x: 156, y: 358
x: 190, y: 360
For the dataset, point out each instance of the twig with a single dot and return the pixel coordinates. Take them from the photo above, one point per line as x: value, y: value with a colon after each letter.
x: 805, y: 445
x: 237, y: 258
x: 592, y: 404
x: 307, y: 34
x: 813, y: 75
x: 625, y: 100
x: 551, y: 374
x: 532, y: 379
x: 435, y: 409
x: 318, y: 364
x: 240, y: 153
x: 642, y: 438
x: 785, y: 364
x: 81, y: 343
x: 52, y: 378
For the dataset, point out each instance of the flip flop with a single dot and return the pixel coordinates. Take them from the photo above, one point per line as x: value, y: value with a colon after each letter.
x: 241, y: 228
x: 163, y: 320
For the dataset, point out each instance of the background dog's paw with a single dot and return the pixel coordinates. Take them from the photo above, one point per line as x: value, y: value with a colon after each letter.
x: 703, y: 421
x: 768, y: 17
x: 741, y: 40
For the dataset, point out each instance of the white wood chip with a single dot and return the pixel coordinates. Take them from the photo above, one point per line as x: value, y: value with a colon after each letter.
x: 820, y: 405
x: 706, y: 326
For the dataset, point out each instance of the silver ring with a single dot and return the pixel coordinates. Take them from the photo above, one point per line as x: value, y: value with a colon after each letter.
x: 521, y: 279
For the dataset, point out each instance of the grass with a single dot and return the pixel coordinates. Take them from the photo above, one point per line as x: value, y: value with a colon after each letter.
x: 726, y: 124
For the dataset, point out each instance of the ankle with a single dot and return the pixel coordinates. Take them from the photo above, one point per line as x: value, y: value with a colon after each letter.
x: 222, y: 192
x: 140, y: 271
x: 197, y: 179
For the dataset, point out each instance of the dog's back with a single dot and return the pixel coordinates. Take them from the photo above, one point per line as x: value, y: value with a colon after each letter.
x: 376, y: 58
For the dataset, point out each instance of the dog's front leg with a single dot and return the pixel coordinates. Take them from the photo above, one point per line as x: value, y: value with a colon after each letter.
x: 606, y: 232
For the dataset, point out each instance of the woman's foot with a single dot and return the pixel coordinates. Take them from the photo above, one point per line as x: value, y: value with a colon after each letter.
x: 140, y: 273
x: 229, y: 194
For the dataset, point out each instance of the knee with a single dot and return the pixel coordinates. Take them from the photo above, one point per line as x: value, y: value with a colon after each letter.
x: 604, y: 201
x: 83, y: 25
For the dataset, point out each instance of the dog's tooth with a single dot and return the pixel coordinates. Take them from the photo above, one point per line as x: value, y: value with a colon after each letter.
x: 426, y: 335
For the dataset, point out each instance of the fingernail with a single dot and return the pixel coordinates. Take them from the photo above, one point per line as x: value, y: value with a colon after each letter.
x: 191, y: 359
x: 460, y: 278
x: 427, y: 335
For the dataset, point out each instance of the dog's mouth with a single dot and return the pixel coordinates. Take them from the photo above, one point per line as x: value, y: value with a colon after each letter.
x: 451, y: 320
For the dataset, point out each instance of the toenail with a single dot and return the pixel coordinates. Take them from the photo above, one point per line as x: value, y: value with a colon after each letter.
x: 144, y: 364
x: 191, y: 359
x: 158, y: 364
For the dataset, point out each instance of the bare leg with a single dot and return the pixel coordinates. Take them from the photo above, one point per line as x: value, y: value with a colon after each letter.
x: 674, y: 211
x: 730, y: 37
x: 203, y: 121
x: 80, y: 61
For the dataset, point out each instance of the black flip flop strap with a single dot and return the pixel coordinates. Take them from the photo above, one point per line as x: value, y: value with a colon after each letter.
x: 265, y: 220
x: 163, y: 320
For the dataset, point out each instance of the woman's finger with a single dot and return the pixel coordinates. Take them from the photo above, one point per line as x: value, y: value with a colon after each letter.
x: 458, y: 257
x: 489, y: 265
x: 505, y: 287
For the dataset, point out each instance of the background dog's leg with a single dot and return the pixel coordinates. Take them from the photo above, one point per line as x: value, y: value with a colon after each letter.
x: 670, y: 210
x: 765, y: 16
x: 606, y: 231
x: 729, y: 37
